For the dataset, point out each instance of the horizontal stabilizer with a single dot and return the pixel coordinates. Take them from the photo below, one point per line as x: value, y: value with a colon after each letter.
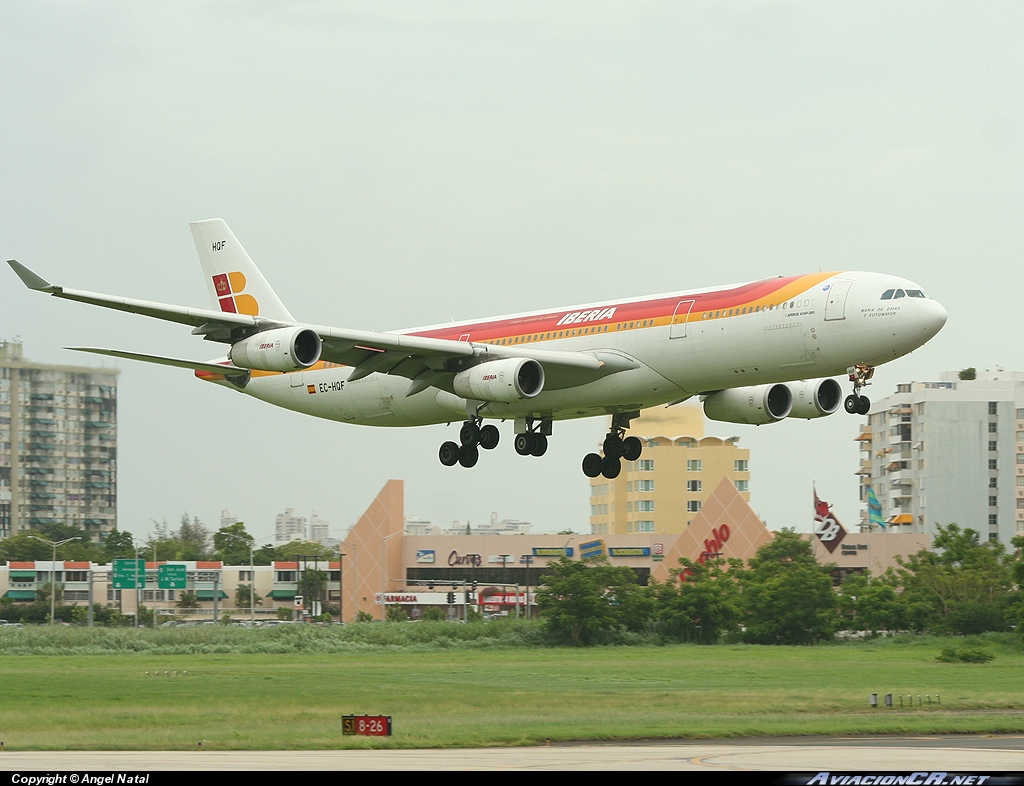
x: 214, y: 368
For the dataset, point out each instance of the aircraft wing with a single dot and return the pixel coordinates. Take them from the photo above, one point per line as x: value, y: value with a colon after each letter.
x: 426, y: 361
x: 195, y: 365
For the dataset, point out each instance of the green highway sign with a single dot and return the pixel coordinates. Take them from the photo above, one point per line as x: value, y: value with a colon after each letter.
x: 170, y: 577
x: 128, y: 574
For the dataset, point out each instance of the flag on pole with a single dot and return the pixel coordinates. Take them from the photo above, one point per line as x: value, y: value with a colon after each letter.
x: 826, y: 526
x: 874, y: 509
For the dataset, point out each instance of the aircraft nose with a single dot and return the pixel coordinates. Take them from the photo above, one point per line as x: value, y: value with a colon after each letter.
x: 932, y: 316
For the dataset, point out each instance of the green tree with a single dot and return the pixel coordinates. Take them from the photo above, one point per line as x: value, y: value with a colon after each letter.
x: 787, y: 596
x: 961, y: 586
x: 396, y: 613
x: 582, y: 601
x: 231, y: 544
x: 872, y: 604
x: 242, y: 592
x: 312, y: 586
x: 702, y: 607
x: 119, y: 544
x: 433, y: 614
x: 187, y: 600
x: 191, y: 541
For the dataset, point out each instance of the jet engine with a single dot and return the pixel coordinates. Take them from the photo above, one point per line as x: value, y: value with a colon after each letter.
x: 815, y: 398
x: 755, y: 404
x: 505, y: 381
x: 281, y: 349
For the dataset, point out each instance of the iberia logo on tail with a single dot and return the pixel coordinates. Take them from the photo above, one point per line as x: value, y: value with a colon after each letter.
x: 230, y: 289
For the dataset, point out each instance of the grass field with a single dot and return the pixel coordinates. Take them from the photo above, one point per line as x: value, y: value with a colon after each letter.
x: 499, y: 696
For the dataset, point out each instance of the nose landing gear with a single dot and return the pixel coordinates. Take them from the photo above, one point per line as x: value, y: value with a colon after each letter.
x: 855, y: 403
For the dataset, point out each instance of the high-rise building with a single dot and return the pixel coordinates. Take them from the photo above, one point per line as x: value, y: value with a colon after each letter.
x: 947, y: 452
x: 668, y: 485
x: 58, y: 445
x: 289, y: 527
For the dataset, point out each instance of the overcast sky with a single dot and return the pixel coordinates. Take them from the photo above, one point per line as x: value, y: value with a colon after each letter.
x: 397, y: 164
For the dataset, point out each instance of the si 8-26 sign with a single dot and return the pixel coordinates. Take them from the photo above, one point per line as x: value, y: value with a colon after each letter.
x: 366, y: 725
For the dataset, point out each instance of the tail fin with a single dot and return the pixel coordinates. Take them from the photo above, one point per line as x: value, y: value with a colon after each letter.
x: 236, y: 284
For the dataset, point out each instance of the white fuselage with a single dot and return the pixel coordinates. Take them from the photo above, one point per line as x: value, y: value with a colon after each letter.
x: 682, y: 344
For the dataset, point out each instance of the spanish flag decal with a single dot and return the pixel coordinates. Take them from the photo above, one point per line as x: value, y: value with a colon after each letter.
x: 311, y: 389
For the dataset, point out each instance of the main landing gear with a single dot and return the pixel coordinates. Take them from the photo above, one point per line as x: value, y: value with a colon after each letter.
x: 855, y: 403
x: 472, y: 437
x: 616, y: 447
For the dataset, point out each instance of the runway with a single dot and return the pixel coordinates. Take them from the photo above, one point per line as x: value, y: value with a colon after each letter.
x: 1004, y: 753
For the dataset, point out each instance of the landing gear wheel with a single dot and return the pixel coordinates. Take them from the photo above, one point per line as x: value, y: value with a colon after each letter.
x: 540, y: 445
x: 469, y: 434
x: 852, y: 404
x: 863, y: 406
x: 489, y: 437
x: 449, y: 454
x: 523, y: 443
x: 468, y: 455
x: 592, y: 465
x: 632, y: 447
x: 613, y: 446
x: 610, y: 467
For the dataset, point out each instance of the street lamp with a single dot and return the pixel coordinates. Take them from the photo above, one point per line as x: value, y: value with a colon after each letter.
x: 384, y: 571
x: 53, y: 567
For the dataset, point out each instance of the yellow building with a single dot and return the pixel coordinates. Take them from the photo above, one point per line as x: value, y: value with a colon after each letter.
x: 666, y: 488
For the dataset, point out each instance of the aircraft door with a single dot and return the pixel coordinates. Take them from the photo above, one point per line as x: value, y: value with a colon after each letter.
x: 679, y: 317
x: 835, y: 304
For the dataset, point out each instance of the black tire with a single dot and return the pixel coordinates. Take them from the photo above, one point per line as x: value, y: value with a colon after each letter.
x: 468, y: 455
x: 612, y: 446
x: 611, y: 467
x: 632, y: 447
x: 469, y: 434
x: 489, y: 436
x: 449, y: 454
x: 592, y: 464
x: 540, y: 445
x: 523, y: 444
x: 852, y: 404
x: 864, y: 405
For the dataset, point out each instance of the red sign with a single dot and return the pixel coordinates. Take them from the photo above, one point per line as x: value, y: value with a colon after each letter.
x: 366, y: 725
x: 712, y: 548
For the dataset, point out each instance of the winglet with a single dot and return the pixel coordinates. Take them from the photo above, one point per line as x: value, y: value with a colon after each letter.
x: 30, y: 279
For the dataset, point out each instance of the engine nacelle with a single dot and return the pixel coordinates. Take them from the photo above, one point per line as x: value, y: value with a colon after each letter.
x: 815, y: 398
x: 505, y: 381
x: 281, y: 349
x: 756, y: 405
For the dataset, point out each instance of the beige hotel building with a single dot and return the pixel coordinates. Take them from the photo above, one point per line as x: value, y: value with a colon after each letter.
x: 669, y: 484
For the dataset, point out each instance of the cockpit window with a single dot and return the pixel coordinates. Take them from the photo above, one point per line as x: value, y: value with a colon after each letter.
x: 915, y: 293
x: 899, y: 293
x: 887, y: 295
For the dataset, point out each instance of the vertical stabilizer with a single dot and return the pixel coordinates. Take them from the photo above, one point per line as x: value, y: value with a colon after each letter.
x: 236, y: 284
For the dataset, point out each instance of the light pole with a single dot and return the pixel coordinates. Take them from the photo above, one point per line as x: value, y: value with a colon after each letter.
x: 384, y: 572
x: 341, y: 581
x: 250, y: 542
x: 53, y: 568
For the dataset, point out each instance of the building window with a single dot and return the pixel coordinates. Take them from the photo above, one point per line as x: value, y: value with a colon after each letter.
x: 993, y: 520
x: 644, y: 526
x: 694, y: 486
x: 644, y: 506
x: 993, y: 502
x: 646, y: 465
x: 992, y: 407
x: 743, y: 485
x: 993, y: 446
x: 245, y: 575
x: 741, y: 465
x: 993, y: 427
x: 993, y: 464
x: 993, y: 536
x: 693, y: 465
x: 76, y: 575
x: 285, y: 576
x: 993, y: 483
x: 1020, y: 503
x: 692, y: 505
x: 644, y: 485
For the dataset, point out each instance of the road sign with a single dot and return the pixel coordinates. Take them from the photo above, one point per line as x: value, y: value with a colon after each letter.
x: 128, y: 574
x: 366, y: 725
x: 171, y: 576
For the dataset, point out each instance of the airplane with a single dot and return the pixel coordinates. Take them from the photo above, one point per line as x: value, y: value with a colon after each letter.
x: 753, y: 353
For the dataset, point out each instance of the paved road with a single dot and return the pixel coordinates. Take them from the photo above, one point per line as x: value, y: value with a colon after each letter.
x: 990, y: 753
